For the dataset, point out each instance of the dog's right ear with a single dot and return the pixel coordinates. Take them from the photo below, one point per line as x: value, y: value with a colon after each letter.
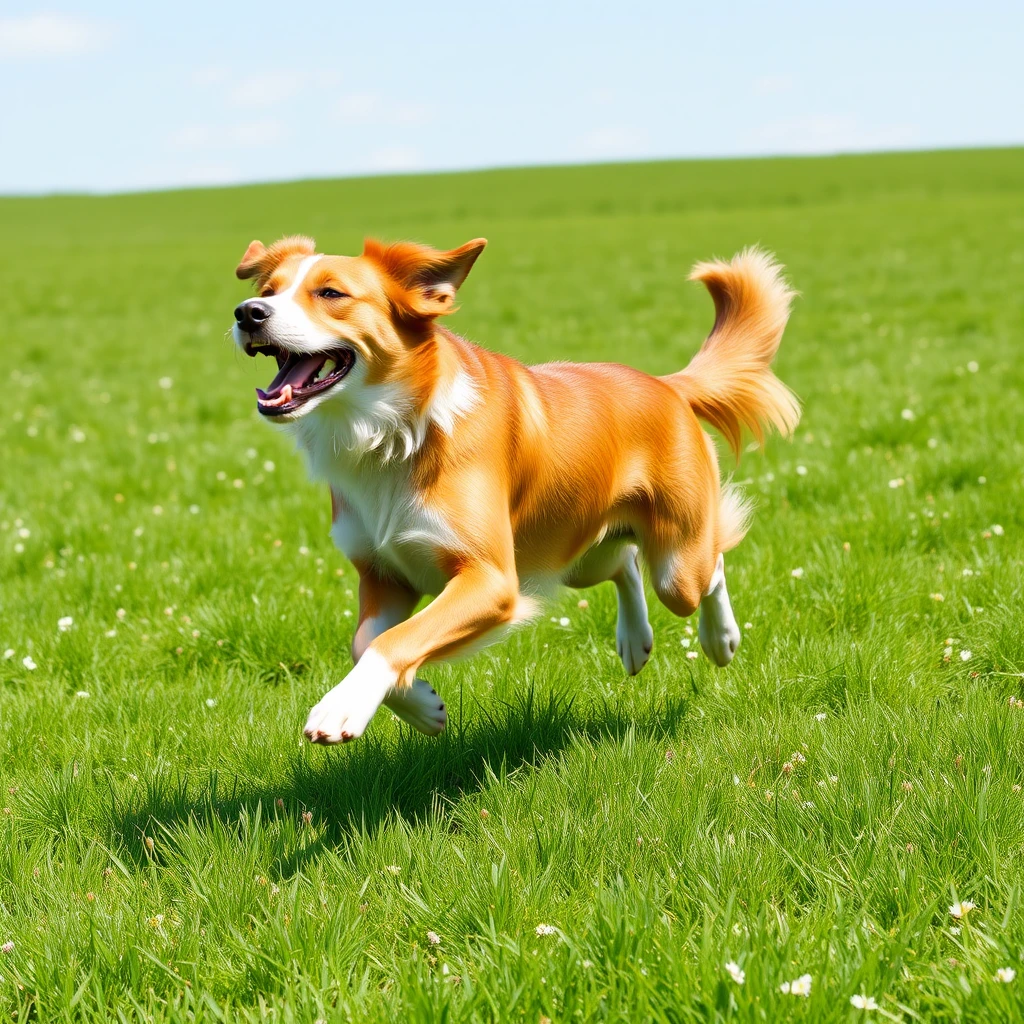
x: 260, y: 262
x: 251, y: 261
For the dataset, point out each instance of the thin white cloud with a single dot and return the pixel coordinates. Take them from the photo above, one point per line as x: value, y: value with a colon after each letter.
x: 395, y: 158
x: 612, y: 142
x: 773, y: 85
x: 250, y: 134
x: 266, y: 88
x: 51, y: 35
x: 372, y: 108
x: 833, y: 133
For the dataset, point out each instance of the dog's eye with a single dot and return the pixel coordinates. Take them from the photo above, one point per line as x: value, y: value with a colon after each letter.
x: 331, y: 293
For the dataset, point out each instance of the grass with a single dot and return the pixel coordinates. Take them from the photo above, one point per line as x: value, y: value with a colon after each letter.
x: 171, y: 850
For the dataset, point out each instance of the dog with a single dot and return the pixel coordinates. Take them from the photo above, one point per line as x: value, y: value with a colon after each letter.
x: 464, y: 474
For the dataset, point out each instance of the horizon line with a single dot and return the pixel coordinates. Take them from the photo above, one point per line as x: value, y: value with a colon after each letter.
x: 499, y: 168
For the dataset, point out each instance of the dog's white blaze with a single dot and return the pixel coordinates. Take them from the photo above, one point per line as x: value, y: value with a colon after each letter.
x: 344, y: 712
x: 290, y: 326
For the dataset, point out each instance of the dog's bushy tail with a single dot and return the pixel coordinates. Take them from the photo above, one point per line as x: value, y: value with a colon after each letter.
x: 729, y: 383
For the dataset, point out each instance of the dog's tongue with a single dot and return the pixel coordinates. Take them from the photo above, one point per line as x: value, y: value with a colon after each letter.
x: 296, y: 373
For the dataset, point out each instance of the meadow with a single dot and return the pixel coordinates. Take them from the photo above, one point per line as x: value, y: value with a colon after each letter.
x: 843, y: 802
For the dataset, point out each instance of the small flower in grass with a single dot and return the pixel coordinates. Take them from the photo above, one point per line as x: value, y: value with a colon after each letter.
x: 686, y: 641
x: 1006, y: 975
x: 211, y: 702
x: 393, y: 869
x: 820, y: 716
x: 936, y: 597
x: 82, y: 694
x: 29, y: 663
x: 859, y: 1002
x: 433, y: 938
x: 908, y: 786
x: 800, y: 987
x: 120, y: 613
x: 898, y: 482
x: 797, y: 573
x: 998, y: 531
x: 965, y: 655
x: 692, y: 655
x: 563, y: 621
x: 7, y: 947
x: 156, y: 920
x: 583, y: 603
x: 64, y: 623
x: 961, y: 909
x: 736, y: 972
x: 546, y: 929
x: 8, y: 654
x: 907, y: 414
x: 110, y: 634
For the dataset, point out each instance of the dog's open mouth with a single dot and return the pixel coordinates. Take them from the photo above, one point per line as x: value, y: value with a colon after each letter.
x: 299, y: 377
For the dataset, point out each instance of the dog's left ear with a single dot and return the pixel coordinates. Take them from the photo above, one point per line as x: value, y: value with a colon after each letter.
x: 251, y: 260
x: 428, y: 278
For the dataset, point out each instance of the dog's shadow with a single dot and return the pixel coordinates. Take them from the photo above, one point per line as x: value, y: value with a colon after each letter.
x: 359, y: 790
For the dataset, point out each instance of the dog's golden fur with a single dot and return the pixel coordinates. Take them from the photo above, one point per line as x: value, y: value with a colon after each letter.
x: 500, y: 480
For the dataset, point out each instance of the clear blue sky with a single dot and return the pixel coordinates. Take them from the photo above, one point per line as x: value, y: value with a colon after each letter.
x: 110, y: 96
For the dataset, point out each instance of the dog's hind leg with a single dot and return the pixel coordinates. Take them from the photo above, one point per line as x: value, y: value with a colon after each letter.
x: 689, y: 575
x: 617, y: 562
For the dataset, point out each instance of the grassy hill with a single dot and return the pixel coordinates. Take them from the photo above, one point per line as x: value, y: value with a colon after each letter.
x: 171, y: 849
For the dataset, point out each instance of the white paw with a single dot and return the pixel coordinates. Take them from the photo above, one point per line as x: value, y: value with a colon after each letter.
x: 344, y: 712
x: 718, y: 632
x: 634, y: 641
x: 720, y: 641
x: 419, y: 706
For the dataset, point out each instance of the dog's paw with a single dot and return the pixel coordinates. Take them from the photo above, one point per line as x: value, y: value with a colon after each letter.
x: 718, y: 632
x: 344, y: 712
x: 719, y: 640
x: 335, y: 721
x: 634, y: 642
x: 419, y: 706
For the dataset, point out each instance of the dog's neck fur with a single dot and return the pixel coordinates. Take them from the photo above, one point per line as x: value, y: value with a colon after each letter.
x: 388, y: 422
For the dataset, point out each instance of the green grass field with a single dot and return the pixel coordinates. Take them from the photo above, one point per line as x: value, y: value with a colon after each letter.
x: 170, y: 847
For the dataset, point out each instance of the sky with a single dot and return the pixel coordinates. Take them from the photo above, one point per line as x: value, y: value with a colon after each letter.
x: 108, y: 96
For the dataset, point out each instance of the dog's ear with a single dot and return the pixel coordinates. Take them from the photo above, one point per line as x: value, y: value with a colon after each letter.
x: 427, y: 279
x: 250, y: 263
x: 260, y: 262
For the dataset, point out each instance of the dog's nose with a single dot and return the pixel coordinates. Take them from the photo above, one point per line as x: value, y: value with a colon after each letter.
x: 251, y: 314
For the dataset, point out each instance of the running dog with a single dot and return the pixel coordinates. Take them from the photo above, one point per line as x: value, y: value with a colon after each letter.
x: 464, y: 474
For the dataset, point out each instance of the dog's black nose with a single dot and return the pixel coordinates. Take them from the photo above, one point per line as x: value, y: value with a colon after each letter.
x: 251, y: 314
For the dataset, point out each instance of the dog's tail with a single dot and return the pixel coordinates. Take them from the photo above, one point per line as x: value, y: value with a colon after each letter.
x: 729, y: 382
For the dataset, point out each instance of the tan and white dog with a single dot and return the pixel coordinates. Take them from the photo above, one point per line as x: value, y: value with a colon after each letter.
x: 464, y: 474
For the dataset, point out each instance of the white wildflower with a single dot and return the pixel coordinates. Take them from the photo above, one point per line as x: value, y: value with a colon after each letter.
x: 166, y: 383
x: 800, y: 987
x: 859, y: 1002
x: 563, y: 621
x: 736, y: 972
x: 546, y: 929
x: 961, y: 909
x: 907, y: 414
x: 1006, y: 975
x: 64, y: 623
x: 965, y: 655
x: 29, y: 663
x: 433, y: 938
x: 82, y: 694
x: 797, y: 573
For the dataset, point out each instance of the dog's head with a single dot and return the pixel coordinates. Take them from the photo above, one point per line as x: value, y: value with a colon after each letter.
x: 334, y: 323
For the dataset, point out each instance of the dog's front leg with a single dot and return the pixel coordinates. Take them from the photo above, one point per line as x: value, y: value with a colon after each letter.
x: 480, y: 599
x: 384, y: 603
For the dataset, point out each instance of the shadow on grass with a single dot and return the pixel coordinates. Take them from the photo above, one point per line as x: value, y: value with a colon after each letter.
x: 359, y: 789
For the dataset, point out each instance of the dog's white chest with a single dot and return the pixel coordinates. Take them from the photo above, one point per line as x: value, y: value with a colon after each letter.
x: 379, y: 518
